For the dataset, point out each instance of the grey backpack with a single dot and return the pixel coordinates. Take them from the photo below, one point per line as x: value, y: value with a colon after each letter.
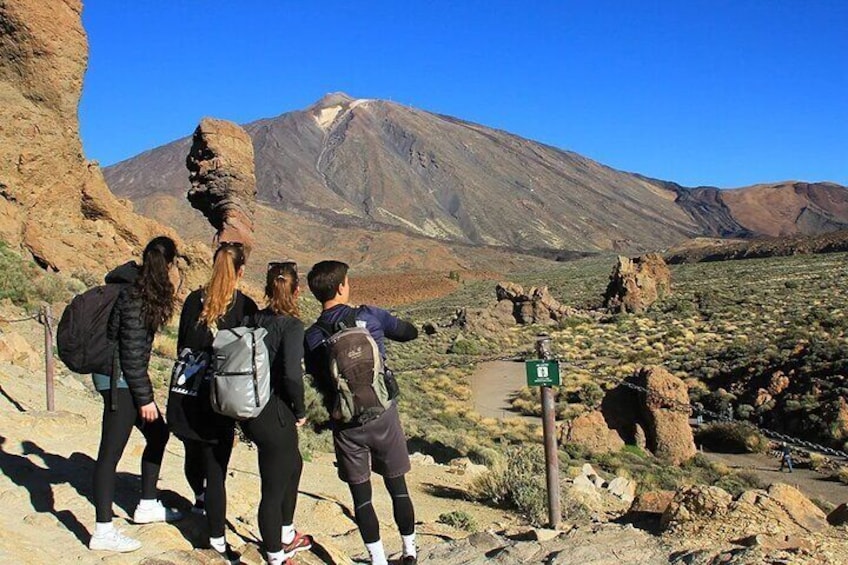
x: 241, y: 373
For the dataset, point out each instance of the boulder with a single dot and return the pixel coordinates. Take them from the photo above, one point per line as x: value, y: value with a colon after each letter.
x: 839, y: 516
x: 695, y: 503
x: 223, y: 181
x: 637, y: 283
x: 654, y: 502
x: 623, y: 488
x: 787, y: 505
x: 15, y: 349
x: 665, y: 415
x: 464, y: 466
x: 590, y: 430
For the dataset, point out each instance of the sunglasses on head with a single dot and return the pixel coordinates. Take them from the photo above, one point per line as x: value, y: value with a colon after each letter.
x: 282, y: 264
x: 230, y: 244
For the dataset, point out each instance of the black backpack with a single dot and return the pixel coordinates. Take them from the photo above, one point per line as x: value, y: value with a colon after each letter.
x: 81, y: 333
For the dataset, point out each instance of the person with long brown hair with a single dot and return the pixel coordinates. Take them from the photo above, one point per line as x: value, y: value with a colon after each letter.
x: 142, y: 308
x: 208, y: 436
x: 274, y: 431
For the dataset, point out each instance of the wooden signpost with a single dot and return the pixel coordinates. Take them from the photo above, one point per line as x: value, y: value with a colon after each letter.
x: 544, y: 373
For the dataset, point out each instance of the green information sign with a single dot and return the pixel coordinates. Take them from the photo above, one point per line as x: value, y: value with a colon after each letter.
x: 542, y: 373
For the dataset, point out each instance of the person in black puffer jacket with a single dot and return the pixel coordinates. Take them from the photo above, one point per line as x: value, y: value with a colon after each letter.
x: 207, y: 436
x: 141, y: 309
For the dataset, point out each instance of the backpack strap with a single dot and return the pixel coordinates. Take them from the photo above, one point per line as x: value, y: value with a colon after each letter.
x: 349, y: 321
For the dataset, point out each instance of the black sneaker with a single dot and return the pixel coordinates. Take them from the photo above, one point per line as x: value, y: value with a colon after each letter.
x: 199, y: 508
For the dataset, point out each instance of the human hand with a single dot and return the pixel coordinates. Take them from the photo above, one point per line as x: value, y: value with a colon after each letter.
x: 300, y: 422
x: 149, y: 412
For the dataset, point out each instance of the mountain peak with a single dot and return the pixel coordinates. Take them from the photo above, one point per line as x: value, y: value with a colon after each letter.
x: 333, y: 99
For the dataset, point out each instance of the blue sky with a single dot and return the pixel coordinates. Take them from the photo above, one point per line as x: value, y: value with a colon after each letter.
x: 722, y: 92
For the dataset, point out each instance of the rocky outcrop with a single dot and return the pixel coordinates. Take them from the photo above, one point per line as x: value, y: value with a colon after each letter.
x: 590, y: 430
x: 535, y: 306
x: 54, y: 204
x: 223, y: 181
x: 514, y: 306
x: 637, y: 283
x: 602, y: 544
x: 665, y: 416
x: 780, y: 509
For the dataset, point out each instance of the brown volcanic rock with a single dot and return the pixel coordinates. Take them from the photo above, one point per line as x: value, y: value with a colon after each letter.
x: 637, y: 283
x: 54, y: 204
x: 669, y: 435
x: 223, y: 183
x: 591, y: 431
x: 781, y: 509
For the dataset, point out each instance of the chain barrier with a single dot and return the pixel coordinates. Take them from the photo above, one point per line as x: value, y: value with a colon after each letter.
x: 674, y: 404
x: 460, y: 365
x: 37, y: 316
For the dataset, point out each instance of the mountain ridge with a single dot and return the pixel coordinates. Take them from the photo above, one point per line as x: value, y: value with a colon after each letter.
x: 376, y: 164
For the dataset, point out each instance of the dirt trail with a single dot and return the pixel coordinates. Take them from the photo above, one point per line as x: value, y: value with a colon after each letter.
x: 767, y: 469
x: 493, y: 384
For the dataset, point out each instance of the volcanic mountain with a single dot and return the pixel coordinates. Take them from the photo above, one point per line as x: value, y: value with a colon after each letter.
x: 377, y: 165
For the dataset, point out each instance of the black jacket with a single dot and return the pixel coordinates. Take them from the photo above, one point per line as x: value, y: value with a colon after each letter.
x: 135, y: 342
x: 285, y: 348
x: 193, y: 418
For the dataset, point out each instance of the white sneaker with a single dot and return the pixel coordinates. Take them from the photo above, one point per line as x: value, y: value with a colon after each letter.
x: 156, y: 513
x: 113, y: 540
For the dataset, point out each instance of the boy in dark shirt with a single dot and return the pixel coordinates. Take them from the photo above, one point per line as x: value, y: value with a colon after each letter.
x: 379, y: 444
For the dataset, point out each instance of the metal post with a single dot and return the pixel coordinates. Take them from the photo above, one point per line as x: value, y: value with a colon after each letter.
x: 543, y: 350
x: 49, y: 365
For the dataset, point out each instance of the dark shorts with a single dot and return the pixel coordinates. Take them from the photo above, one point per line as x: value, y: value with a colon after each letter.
x: 379, y: 445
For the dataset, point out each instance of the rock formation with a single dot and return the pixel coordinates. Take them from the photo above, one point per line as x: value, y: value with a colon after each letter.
x: 779, y: 509
x: 591, y: 431
x: 223, y: 182
x: 514, y: 306
x: 54, y: 204
x: 535, y: 306
x: 666, y: 420
x: 637, y: 283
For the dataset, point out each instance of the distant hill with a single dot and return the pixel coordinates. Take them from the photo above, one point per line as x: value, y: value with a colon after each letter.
x: 377, y: 165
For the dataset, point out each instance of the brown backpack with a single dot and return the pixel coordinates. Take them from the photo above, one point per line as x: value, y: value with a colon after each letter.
x: 357, y: 370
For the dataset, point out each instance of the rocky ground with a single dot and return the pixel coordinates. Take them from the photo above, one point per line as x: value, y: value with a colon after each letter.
x: 47, y: 461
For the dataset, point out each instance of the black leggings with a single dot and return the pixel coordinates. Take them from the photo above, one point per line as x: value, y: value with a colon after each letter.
x: 366, y: 517
x: 280, y: 467
x: 206, y: 468
x: 114, y: 435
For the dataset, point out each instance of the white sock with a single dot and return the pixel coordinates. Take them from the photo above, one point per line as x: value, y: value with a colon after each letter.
x: 102, y: 528
x: 218, y: 544
x: 409, y: 549
x: 147, y: 504
x: 277, y: 558
x: 288, y: 534
x: 378, y: 554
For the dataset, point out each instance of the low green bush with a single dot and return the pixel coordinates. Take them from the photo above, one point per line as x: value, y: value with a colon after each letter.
x: 731, y: 437
x: 459, y: 519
